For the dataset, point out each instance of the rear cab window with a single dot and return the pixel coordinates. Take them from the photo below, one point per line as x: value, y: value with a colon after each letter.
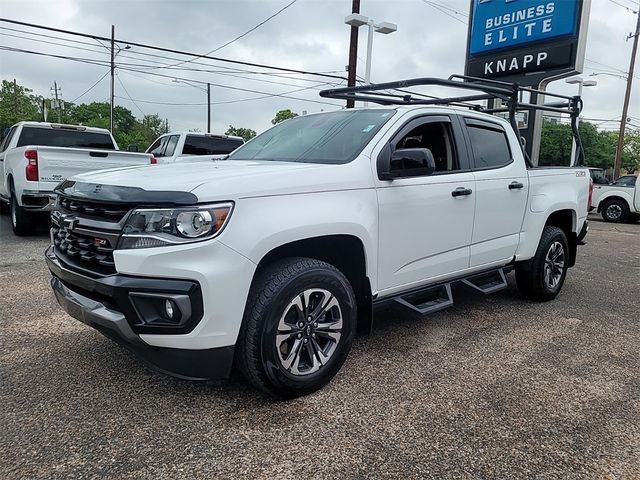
x: 60, y: 137
x: 209, y: 145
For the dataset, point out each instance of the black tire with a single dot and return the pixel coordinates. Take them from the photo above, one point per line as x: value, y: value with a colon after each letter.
x: 615, y: 210
x: 270, y: 310
x: 4, y: 208
x: 22, y: 222
x: 531, y: 276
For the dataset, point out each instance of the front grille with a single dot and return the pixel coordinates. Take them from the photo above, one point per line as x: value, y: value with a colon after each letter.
x: 112, y: 213
x: 88, y: 252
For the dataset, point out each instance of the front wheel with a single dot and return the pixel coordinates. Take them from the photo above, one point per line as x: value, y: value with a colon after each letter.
x: 298, y: 327
x: 615, y: 211
x: 541, y: 278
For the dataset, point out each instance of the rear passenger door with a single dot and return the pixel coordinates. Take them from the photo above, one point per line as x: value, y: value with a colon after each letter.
x: 424, y: 227
x: 502, y: 188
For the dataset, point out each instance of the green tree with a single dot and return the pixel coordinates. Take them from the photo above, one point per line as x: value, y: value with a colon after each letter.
x: 156, y: 125
x: 17, y: 103
x: 283, y: 115
x: 599, y: 146
x: 245, y: 133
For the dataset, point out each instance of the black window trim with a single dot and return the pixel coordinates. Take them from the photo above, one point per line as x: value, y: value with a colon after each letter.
x: 7, y: 140
x: 487, y: 125
x: 457, y: 140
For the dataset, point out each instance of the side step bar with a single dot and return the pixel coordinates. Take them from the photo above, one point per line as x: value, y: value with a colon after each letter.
x: 428, y: 300
x: 487, y: 283
x: 438, y: 297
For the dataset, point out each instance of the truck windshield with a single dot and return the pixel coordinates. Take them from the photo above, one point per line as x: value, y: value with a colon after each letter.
x: 57, y: 137
x: 330, y: 138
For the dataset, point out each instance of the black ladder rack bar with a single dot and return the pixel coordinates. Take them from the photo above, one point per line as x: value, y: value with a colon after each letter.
x: 507, y: 93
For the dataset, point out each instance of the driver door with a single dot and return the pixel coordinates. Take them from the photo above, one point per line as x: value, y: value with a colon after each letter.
x: 426, y: 222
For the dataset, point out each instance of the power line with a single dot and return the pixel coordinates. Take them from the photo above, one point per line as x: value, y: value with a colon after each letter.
x: 169, y: 50
x: 96, y: 62
x: 628, y: 9
x: 443, y: 10
x: 129, y: 95
x: 91, y: 87
x: 240, y: 36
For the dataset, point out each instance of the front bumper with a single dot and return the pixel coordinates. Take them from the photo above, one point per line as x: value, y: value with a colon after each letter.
x: 98, y: 302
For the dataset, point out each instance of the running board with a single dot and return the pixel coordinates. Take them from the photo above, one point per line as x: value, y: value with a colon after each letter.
x: 427, y: 301
x: 489, y: 282
x: 438, y: 297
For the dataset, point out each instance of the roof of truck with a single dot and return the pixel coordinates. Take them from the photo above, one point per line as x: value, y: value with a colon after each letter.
x: 202, y: 134
x: 63, y: 126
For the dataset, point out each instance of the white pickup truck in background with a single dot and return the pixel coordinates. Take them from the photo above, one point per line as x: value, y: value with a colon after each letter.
x: 619, y: 201
x: 36, y: 156
x: 192, y: 147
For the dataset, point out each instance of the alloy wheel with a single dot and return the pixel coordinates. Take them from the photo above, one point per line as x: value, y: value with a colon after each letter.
x: 554, y: 265
x: 309, y: 331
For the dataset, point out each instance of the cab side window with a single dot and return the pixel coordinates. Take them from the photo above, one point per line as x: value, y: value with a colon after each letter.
x: 489, y: 145
x: 158, y: 147
x: 437, y: 137
x: 627, y: 181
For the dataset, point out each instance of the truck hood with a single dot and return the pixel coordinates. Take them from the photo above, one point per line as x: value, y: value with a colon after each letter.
x: 230, y: 178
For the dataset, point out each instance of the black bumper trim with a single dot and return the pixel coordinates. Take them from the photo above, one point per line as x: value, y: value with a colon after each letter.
x: 199, y: 365
x: 114, y: 290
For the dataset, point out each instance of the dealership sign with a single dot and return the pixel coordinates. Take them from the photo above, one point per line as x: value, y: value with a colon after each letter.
x: 526, y: 40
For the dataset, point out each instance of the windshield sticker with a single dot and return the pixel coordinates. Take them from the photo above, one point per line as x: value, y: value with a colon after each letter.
x: 368, y: 128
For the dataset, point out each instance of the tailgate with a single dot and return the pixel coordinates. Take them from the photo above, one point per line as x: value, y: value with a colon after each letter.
x: 56, y: 164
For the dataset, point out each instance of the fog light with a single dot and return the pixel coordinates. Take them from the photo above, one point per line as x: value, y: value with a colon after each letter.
x: 168, y: 309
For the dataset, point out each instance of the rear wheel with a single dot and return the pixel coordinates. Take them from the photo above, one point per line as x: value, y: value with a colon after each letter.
x: 22, y: 221
x: 541, y: 278
x: 298, y: 327
x: 615, y: 210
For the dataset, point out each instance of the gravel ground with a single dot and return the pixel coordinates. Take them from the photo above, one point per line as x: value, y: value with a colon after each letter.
x: 494, y: 387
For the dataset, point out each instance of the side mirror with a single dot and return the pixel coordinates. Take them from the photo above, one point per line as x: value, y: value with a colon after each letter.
x: 406, y: 162
x: 133, y: 148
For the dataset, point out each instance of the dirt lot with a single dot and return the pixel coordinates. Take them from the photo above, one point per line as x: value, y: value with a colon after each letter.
x: 495, y: 387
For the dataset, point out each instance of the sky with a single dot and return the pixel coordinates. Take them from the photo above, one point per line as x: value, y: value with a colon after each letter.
x: 308, y: 35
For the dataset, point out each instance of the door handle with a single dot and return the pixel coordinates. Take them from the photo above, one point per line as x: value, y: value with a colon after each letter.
x: 515, y: 185
x: 461, y: 191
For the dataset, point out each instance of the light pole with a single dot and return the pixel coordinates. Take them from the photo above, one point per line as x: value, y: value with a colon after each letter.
x: 356, y: 20
x: 208, y: 90
x: 581, y: 83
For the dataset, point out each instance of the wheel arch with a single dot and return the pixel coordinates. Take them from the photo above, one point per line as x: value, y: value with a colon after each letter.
x: 613, y: 196
x: 343, y: 251
x: 566, y: 220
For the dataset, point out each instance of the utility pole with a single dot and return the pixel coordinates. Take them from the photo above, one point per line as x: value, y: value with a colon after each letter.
x: 353, y: 54
x: 625, y: 109
x: 113, y: 71
x: 208, y: 108
x: 15, y: 99
x: 58, y: 101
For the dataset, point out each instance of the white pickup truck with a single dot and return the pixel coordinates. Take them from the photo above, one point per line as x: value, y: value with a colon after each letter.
x: 36, y: 156
x: 620, y: 201
x: 192, y: 146
x: 273, y: 258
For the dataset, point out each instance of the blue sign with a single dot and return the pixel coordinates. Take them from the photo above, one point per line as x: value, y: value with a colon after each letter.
x: 498, y: 24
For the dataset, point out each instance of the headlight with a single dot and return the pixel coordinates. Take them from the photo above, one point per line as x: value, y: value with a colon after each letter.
x: 159, y: 227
